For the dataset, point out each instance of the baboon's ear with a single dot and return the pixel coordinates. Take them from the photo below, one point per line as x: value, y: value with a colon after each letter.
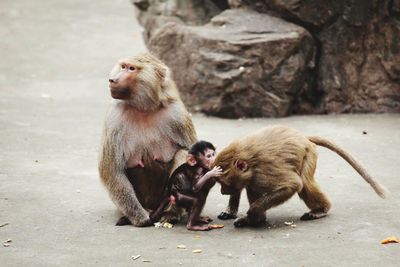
x: 241, y: 165
x: 161, y: 72
x: 191, y: 160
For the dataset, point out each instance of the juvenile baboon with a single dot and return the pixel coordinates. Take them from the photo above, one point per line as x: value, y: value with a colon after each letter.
x: 190, y: 184
x: 273, y: 164
x: 146, y: 136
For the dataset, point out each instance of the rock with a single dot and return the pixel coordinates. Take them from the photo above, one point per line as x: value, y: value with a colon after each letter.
x: 313, y: 14
x: 359, y: 68
x: 153, y: 14
x: 241, y: 64
x: 191, y: 12
x: 394, y: 9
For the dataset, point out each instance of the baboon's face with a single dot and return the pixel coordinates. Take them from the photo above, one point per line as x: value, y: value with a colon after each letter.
x: 123, y: 80
x: 232, y: 179
x: 138, y: 81
x: 230, y: 183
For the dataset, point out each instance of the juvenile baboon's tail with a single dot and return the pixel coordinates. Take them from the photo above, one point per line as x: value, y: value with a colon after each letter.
x: 379, y: 188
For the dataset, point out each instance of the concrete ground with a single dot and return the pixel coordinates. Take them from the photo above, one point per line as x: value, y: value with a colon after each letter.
x: 55, y: 59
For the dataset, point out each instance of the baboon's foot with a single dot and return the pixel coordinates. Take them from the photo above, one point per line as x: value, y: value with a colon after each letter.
x: 313, y: 215
x: 123, y: 221
x: 205, y: 220
x: 198, y: 227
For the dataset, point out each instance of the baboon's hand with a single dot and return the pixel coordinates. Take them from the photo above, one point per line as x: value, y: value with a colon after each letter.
x: 123, y: 221
x: 226, y: 216
x: 142, y: 221
x: 249, y: 221
x: 257, y: 217
x: 241, y: 222
x: 215, y: 172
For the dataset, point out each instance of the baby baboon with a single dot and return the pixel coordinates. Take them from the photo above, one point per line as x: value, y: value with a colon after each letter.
x: 190, y: 184
x: 146, y: 136
x: 273, y: 164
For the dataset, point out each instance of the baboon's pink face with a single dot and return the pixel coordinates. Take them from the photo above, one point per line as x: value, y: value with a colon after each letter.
x: 123, y: 80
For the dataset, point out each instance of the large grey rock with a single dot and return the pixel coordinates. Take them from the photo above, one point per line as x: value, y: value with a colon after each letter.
x: 241, y: 64
x: 356, y: 53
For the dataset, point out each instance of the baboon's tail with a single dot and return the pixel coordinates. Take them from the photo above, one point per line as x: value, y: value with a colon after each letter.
x: 379, y: 188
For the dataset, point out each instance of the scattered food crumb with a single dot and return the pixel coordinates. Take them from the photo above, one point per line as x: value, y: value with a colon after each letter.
x: 364, y: 132
x: 46, y: 96
x: 288, y: 223
x: 146, y: 260
x: 163, y: 225
x: 390, y: 239
x: 216, y: 226
x: 136, y: 257
x: 167, y: 225
x: 4, y: 224
x: 197, y: 236
x: 197, y: 251
x: 181, y: 246
x: 7, y: 243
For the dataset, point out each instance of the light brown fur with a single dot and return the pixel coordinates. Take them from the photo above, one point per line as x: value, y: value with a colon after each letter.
x: 273, y: 164
x: 146, y: 136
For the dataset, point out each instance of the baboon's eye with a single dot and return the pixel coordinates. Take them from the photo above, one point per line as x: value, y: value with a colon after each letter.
x: 131, y: 68
x: 123, y: 66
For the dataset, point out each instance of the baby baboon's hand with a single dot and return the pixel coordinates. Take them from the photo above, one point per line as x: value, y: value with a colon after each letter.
x: 216, y: 171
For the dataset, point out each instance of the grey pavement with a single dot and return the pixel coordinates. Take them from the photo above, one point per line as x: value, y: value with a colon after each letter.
x: 55, y: 59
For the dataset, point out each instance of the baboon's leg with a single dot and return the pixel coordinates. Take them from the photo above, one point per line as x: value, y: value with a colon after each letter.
x: 255, y: 219
x: 252, y: 196
x: 311, y: 194
x: 277, y: 197
x: 256, y: 213
x: 173, y: 213
x: 232, y: 209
